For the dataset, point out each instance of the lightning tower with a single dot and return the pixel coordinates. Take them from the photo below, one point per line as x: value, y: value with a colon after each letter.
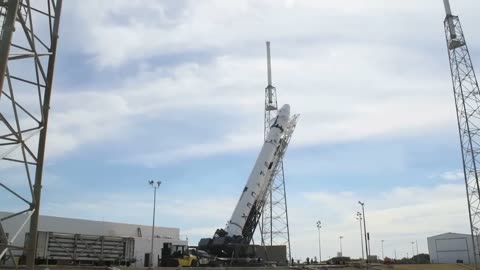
x: 28, y: 44
x: 274, y: 226
x: 467, y: 104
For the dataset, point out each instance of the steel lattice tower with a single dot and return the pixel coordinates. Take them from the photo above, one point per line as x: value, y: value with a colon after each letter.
x: 274, y: 225
x: 28, y: 44
x: 467, y: 104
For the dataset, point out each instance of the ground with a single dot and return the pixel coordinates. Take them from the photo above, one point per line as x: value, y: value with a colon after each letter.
x: 431, y: 267
x: 377, y: 267
x: 409, y: 267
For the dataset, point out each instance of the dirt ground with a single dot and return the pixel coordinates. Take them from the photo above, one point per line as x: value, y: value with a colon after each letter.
x: 412, y: 267
x: 432, y: 267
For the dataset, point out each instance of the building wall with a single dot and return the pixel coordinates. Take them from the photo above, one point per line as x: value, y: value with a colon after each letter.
x: 141, y: 233
x: 450, y: 247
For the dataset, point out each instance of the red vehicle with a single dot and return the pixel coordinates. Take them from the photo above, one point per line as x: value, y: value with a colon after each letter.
x: 388, y: 261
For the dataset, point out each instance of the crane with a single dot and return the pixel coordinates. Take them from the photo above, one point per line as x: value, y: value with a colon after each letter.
x: 233, y: 241
x: 467, y: 105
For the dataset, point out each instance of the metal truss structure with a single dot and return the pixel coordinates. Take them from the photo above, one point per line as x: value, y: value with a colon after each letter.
x: 274, y: 226
x: 467, y: 104
x: 28, y: 44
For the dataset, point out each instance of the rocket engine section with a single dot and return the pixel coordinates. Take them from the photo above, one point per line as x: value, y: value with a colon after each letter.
x: 247, y: 211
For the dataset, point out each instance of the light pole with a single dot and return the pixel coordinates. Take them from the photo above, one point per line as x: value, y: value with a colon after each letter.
x: 364, y: 228
x: 383, y: 257
x: 155, y: 185
x: 359, y: 218
x: 341, y: 251
x: 319, y: 226
x: 413, y: 252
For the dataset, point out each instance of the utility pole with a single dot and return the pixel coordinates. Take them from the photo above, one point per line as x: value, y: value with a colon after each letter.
x: 368, y: 239
x: 365, y: 229
x: 155, y: 185
x: 413, y: 252
x: 359, y: 218
x: 319, y: 226
x: 467, y: 105
x: 341, y: 251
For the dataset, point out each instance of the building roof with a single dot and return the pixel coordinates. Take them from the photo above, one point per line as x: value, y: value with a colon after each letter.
x: 92, y: 227
x: 449, y: 235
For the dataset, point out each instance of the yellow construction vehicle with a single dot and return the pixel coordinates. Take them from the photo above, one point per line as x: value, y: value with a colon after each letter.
x: 177, y: 255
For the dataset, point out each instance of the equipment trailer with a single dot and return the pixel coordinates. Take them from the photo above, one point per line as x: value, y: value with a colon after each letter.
x: 67, y: 248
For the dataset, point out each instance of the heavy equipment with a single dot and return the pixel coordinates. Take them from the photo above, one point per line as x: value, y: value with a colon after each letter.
x: 178, y: 255
x: 232, y: 244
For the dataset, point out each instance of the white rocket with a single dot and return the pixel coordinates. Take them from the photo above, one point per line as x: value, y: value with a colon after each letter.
x: 259, y: 175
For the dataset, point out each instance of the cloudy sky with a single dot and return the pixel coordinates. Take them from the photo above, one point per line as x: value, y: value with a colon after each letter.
x: 174, y: 91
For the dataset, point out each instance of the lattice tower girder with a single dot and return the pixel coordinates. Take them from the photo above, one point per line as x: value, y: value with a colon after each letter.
x: 467, y: 105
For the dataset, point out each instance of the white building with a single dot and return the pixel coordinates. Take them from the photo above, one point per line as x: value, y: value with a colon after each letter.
x: 141, y: 233
x: 450, y: 248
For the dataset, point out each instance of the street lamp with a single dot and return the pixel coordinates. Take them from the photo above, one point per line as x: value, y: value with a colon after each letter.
x: 319, y: 226
x: 383, y: 257
x: 359, y: 218
x: 341, y: 251
x: 364, y: 228
x: 155, y: 185
x: 413, y: 252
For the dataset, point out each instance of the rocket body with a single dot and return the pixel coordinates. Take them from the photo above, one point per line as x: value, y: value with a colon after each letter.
x: 257, y: 180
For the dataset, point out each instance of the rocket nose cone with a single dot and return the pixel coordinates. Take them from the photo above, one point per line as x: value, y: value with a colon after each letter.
x: 285, y: 110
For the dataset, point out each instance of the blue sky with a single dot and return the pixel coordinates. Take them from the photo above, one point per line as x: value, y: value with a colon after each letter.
x: 173, y: 90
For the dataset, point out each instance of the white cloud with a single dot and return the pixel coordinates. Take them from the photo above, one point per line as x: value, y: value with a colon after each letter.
x: 129, y: 30
x: 452, y: 175
x: 200, y: 65
x: 230, y: 90
x: 228, y: 144
x: 399, y: 216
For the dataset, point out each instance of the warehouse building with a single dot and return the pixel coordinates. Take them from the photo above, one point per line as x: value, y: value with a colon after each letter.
x: 451, y: 248
x: 140, y: 233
